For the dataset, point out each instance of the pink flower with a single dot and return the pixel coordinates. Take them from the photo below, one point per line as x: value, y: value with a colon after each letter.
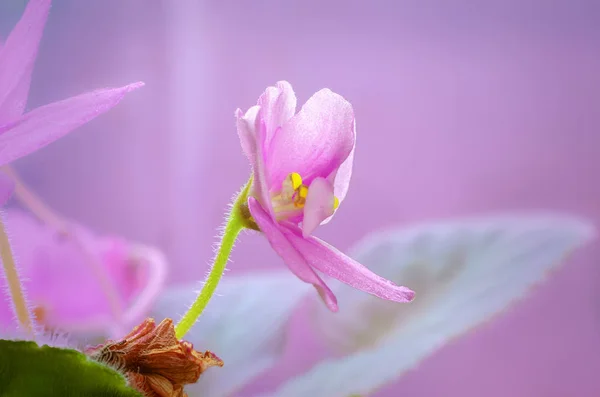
x: 22, y: 134
x: 302, y: 165
x: 65, y: 294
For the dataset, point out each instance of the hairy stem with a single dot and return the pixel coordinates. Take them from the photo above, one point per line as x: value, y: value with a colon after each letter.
x: 235, y: 224
x: 15, y: 288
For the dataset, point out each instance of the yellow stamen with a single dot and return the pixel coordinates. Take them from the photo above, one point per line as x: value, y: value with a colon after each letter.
x: 296, y: 180
x: 300, y: 199
x: 290, y: 185
x: 303, y: 191
x: 291, y: 199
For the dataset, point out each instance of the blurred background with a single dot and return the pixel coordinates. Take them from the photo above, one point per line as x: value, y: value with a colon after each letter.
x: 462, y: 108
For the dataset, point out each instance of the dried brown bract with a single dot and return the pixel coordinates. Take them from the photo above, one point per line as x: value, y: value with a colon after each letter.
x: 154, y: 361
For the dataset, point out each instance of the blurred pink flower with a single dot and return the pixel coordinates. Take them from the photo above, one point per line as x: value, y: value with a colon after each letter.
x: 65, y: 294
x: 302, y: 165
x: 22, y: 134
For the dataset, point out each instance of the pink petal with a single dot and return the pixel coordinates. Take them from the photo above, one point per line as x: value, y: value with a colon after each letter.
x: 247, y: 127
x: 46, y: 124
x: 315, y: 142
x: 344, y: 173
x: 17, y: 58
x: 333, y: 263
x: 278, y: 105
x: 341, y: 181
x: 7, y: 186
x: 261, y: 172
x: 289, y: 254
x: 251, y: 131
x: 319, y: 205
x: 341, y: 178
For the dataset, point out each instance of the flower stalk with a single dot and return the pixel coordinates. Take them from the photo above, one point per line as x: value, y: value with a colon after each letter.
x: 15, y: 288
x: 236, y: 222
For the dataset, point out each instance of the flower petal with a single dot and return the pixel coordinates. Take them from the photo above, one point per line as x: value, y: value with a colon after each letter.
x: 341, y: 182
x: 313, y: 143
x: 17, y: 58
x: 333, y: 263
x: 251, y: 130
x: 319, y: 205
x: 470, y: 270
x: 247, y: 127
x: 292, y: 258
x: 245, y: 325
x: 7, y: 186
x: 279, y: 105
x: 46, y: 124
x: 341, y: 179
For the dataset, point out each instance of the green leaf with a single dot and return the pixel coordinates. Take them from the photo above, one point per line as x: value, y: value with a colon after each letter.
x: 27, y: 369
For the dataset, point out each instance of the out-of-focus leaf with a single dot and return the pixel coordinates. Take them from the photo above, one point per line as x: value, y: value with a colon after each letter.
x: 464, y: 272
x: 245, y: 326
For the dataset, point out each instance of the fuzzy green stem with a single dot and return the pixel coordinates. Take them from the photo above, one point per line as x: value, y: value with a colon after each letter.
x: 235, y: 224
x: 17, y: 294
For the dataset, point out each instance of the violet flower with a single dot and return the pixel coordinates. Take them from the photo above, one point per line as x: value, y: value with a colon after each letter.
x: 22, y: 134
x: 302, y: 165
x: 65, y: 295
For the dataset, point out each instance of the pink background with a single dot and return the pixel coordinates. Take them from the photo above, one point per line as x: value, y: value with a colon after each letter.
x: 462, y: 108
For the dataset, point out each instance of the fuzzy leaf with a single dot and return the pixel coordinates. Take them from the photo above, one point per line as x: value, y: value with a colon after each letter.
x: 27, y: 369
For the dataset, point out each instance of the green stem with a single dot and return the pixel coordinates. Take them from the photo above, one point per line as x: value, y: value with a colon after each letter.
x: 235, y: 224
x: 15, y: 289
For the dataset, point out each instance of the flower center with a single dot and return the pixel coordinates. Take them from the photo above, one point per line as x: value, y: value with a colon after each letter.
x: 290, y: 200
